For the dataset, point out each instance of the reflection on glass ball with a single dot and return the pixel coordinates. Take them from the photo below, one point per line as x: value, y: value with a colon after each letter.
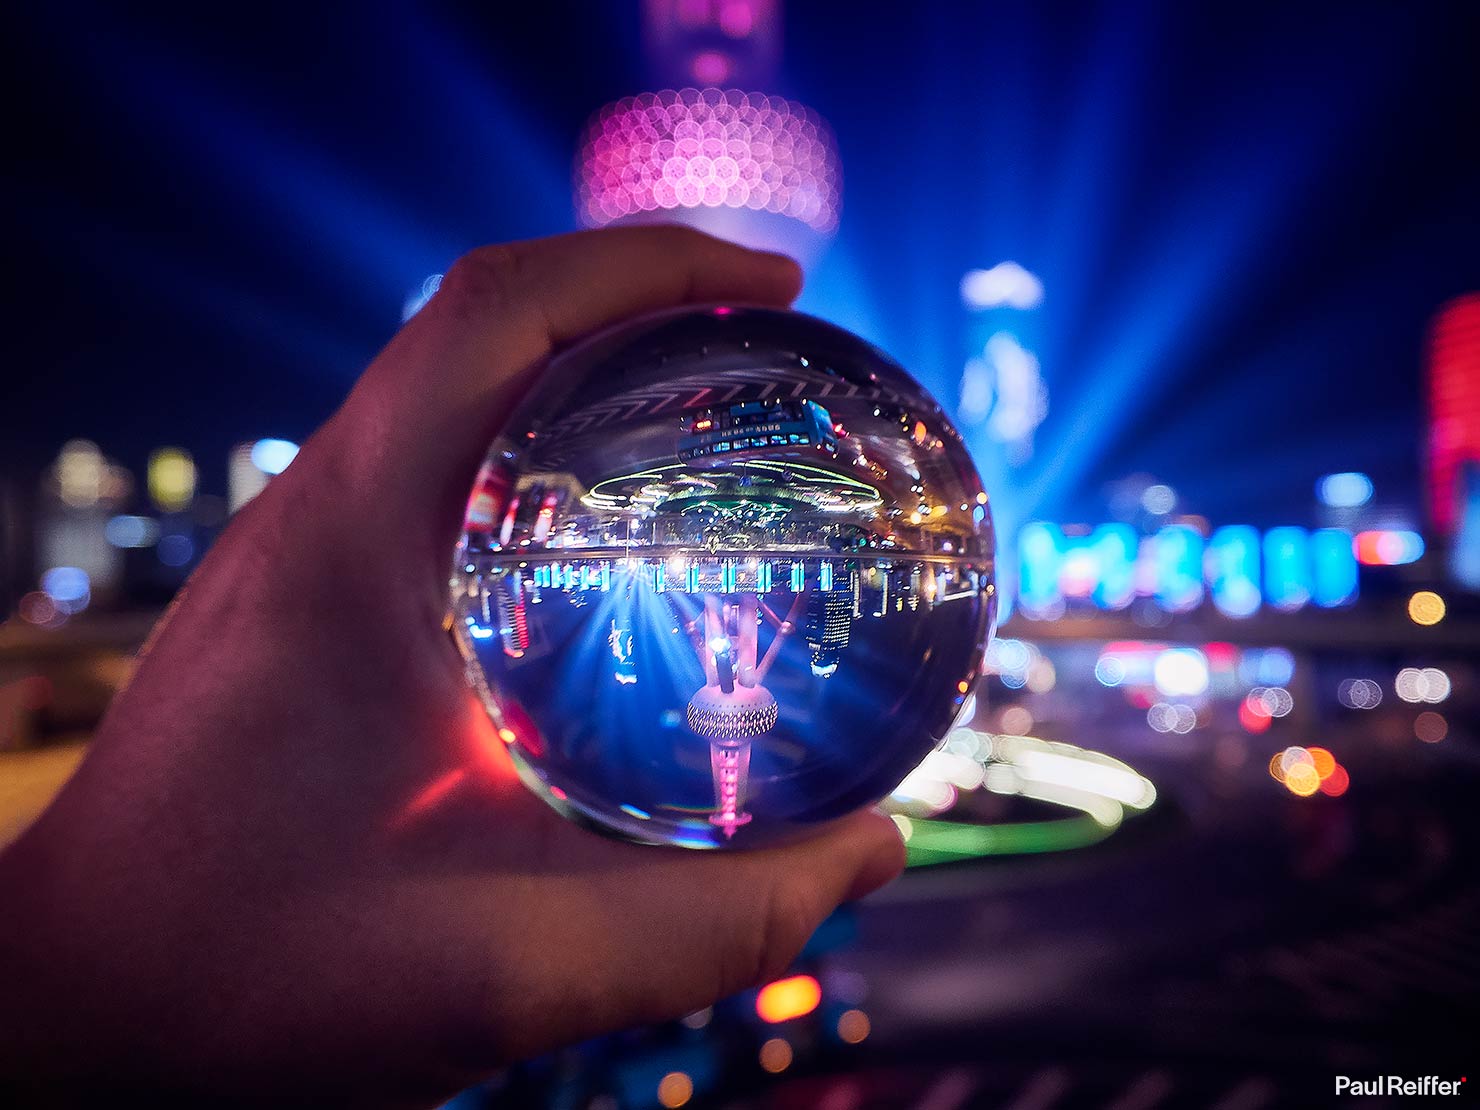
x: 726, y: 574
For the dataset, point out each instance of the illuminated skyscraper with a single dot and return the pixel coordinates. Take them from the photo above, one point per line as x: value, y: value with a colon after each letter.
x: 829, y: 622
x: 513, y: 621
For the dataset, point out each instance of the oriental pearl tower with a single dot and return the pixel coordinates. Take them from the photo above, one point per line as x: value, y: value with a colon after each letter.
x: 733, y: 709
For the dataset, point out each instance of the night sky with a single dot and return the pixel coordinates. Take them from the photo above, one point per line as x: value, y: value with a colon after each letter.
x: 1244, y: 218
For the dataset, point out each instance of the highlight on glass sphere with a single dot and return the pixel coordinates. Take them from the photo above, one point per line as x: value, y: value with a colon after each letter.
x: 724, y: 575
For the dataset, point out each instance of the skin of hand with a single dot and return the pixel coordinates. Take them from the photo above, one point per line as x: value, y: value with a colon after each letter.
x: 296, y: 863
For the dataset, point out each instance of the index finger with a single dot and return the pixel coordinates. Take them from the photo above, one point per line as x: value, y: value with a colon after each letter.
x: 436, y: 395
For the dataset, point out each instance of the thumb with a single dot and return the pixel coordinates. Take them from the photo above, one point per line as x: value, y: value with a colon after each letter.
x: 679, y: 930
x: 807, y: 881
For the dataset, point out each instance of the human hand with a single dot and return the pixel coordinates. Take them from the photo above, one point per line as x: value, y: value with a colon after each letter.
x: 296, y: 862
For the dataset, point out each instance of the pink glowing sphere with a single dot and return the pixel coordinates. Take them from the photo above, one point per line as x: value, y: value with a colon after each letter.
x: 715, y: 148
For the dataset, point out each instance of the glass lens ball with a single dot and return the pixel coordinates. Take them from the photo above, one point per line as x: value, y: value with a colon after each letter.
x: 726, y: 573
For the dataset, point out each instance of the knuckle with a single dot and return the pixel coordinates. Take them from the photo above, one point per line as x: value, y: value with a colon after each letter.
x: 481, y: 279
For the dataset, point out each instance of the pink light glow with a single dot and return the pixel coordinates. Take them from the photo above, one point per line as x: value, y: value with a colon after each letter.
x: 692, y: 13
x: 431, y: 796
x: 710, y: 149
x: 711, y: 67
x: 730, y: 763
x: 736, y: 18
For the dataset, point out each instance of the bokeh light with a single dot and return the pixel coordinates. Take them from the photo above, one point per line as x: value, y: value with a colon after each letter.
x: 786, y: 999
x: 272, y: 456
x: 1302, y: 779
x: 716, y: 148
x: 1274, y: 700
x: 175, y: 550
x: 131, y: 531
x: 1347, y: 490
x: 80, y: 473
x: 422, y: 294
x: 1430, y: 727
x: 1323, y: 761
x: 1158, y: 500
x: 1254, y: 716
x: 38, y: 609
x: 853, y: 1026
x: 171, y: 479
x: 1006, y: 284
x: 675, y: 1089
x: 1016, y: 719
x: 1294, y: 756
x: 69, y: 588
x: 776, y: 1055
x: 1426, y: 607
x: 1359, y: 693
x: 1171, y: 717
x: 1389, y: 548
x: 1422, y: 684
x: 1181, y: 672
x: 1335, y: 786
x: 1306, y: 771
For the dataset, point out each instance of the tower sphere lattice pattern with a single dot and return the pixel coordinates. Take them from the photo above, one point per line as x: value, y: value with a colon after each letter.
x: 715, y: 148
x: 716, y: 720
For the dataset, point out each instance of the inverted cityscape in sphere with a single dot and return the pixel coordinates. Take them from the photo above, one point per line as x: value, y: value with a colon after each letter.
x: 726, y: 574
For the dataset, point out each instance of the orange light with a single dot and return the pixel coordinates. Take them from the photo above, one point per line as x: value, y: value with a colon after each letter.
x: 963, y: 686
x: 1426, y: 608
x: 776, y: 1055
x: 675, y: 1089
x: 1324, y: 762
x: 507, y: 735
x: 853, y: 1026
x: 703, y: 425
x: 1369, y: 549
x: 1277, y: 766
x: 786, y: 999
